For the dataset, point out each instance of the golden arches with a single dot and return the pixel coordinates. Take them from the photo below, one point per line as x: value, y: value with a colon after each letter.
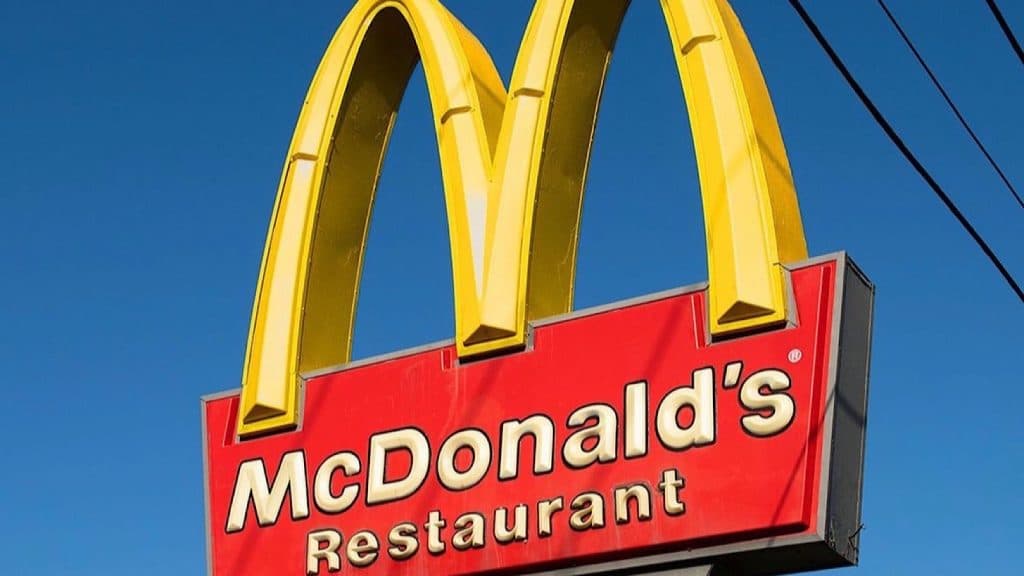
x: 513, y: 169
x: 751, y: 214
x: 306, y: 296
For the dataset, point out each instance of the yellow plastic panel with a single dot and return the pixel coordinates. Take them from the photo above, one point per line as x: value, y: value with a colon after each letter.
x: 306, y: 297
x: 514, y: 170
x: 751, y: 213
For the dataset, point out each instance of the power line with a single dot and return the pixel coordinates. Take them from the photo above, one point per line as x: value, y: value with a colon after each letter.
x: 949, y: 101
x: 1006, y: 28
x: 891, y: 133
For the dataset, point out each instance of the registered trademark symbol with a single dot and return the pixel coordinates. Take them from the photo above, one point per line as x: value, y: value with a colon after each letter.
x: 795, y: 355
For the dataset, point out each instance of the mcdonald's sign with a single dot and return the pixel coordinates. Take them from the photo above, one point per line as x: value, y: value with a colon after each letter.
x: 719, y: 425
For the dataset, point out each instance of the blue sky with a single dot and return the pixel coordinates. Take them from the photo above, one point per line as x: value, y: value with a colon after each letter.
x: 141, y: 145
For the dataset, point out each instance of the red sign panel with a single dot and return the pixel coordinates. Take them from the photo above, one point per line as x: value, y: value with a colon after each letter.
x: 622, y: 432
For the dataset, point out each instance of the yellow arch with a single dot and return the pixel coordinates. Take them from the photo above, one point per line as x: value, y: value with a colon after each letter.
x: 309, y: 279
x: 513, y: 195
x: 751, y: 214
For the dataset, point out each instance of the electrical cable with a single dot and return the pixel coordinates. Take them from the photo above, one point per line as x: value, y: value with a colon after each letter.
x: 949, y: 101
x: 876, y: 114
x: 1006, y: 29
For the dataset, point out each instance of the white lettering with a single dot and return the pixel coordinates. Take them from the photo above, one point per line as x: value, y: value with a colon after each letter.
x: 637, y: 492
x: 670, y: 484
x: 325, y: 500
x: 545, y: 511
x: 604, y: 430
x: 362, y: 549
x: 779, y: 404
x: 477, y: 443
x: 378, y: 490
x: 543, y: 431
x: 501, y: 531
x: 701, y: 399
x: 433, y: 526
x: 403, y: 541
x: 636, y: 420
x: 252, y: 483
x: 588, y: 511
x: 470, y: 532
x: 316, y: 551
